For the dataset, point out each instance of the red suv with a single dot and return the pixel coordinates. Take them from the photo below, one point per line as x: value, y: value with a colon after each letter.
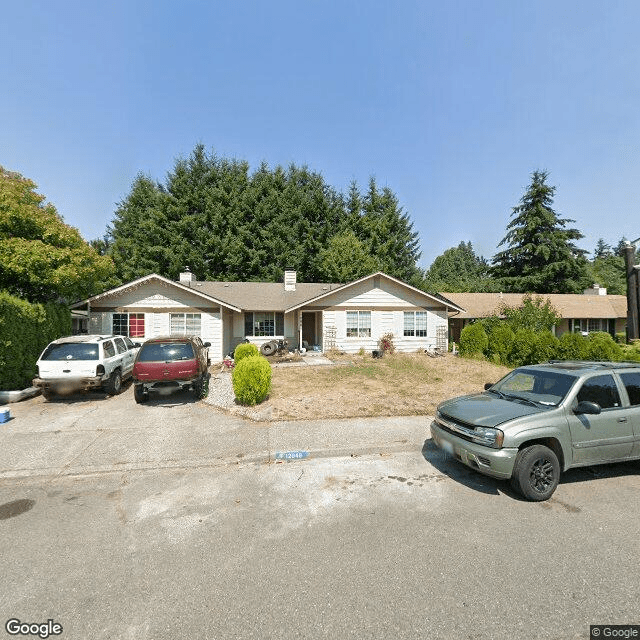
x: 171, y: 363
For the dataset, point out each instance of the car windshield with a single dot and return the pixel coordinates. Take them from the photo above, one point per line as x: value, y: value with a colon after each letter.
x: 547, y: 388
x: 165, y: 352
x: 71, y: 351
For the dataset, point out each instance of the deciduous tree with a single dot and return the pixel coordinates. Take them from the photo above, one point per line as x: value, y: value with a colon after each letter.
x: 41, y: 257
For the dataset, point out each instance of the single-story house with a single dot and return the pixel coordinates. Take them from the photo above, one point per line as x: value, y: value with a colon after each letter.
x: 322, y: 316
x: 592, y: 311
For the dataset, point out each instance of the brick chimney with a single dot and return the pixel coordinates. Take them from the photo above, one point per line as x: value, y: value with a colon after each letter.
x: 289, y: 279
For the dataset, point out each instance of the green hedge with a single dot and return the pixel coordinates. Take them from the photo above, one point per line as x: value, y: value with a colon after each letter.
x: 25, y: 330
x: 497, y: 342
x: 473, y: 340
x: 251, y: 380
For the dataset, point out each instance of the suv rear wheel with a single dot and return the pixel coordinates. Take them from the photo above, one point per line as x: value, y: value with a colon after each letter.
x: 536, y: 473
x: 139, y: 393
x: 114, y: 385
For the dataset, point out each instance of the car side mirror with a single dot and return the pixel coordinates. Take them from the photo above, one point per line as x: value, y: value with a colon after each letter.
x: 585, y: 406
x: 136, y: 345
x: 488, y: 385
x: 206, y: 344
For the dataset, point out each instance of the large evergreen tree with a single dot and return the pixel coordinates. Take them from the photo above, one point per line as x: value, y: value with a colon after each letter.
x: 225, y: 224
x: 542, y: 256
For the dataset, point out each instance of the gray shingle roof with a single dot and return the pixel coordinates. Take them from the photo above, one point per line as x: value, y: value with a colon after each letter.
x: 263, y: 296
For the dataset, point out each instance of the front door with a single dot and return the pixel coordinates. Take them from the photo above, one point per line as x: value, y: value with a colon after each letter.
x: 308, y: 329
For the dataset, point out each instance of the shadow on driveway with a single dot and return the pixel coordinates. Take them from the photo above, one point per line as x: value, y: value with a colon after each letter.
x: 462, y: 474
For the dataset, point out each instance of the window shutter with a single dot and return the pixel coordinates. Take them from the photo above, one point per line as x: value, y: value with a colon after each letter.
x: 279, y: 324
x: 248, y: 324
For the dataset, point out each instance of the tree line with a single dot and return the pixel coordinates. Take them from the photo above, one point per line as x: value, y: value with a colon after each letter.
x: 213, y: 215
x: 225, y: 223
x: 540, y: 255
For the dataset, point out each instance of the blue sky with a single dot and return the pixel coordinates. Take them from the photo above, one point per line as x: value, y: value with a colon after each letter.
x: 450, y: 104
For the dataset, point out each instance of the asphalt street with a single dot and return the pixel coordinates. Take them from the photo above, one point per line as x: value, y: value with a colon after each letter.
x: 392, y: 540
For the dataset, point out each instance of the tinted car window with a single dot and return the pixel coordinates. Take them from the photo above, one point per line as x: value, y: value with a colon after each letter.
x: 165, y: 351
x: 632, y: 384
x: 71, y: 351
x: 128, y: 343
x: 122, y: 347
x: 602, y: 390
x: 109, y: 349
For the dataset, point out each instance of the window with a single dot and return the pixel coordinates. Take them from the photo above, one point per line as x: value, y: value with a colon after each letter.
x: 185, y: 324
x: 602, y: 390
x: 120, y: 345
x: 264, y: 323
x: 128, y: 324
x: 358, y: 324
x: 632, y: 383
x: 589, y: 324
x: 415, y: 324
x: 109, y: 349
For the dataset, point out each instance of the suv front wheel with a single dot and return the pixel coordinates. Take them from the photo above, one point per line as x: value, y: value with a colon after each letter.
x: 536, y: 473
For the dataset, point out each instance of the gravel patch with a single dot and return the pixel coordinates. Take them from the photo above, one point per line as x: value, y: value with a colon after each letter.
x: 221, y: 391
x: 221, y: 395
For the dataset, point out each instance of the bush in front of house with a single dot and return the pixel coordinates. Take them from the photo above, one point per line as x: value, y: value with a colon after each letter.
x: 251, y: 379
x: 603, y: 347
x: 473, y: 340
x: 523, y: 348
x: 25, y: 330
x: 386, y: 343
x: 546, y: 347
x: 500, y: 342
x: 572, y: 346
x: 245, y: 350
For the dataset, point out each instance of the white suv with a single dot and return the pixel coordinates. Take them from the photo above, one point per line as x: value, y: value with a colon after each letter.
x: 85, y: 362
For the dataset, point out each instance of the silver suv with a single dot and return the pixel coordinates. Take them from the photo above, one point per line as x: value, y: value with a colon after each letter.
x: 85, y: 362
x: 540, y: 420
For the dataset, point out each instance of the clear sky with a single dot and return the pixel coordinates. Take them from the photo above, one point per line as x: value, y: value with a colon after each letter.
x: 451, y: 104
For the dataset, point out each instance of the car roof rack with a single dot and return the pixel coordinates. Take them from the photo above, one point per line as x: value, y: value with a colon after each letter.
x: 593, y: 364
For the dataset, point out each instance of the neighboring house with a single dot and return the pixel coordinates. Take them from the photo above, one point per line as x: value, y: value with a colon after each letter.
x: 320, y: 316
x: 592, y: 311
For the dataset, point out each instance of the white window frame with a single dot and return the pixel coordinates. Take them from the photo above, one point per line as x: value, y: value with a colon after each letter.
x: 411, y: 329
x: 362, y: 325
x: 187, y: 324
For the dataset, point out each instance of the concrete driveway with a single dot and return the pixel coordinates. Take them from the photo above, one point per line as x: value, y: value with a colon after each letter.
x: 96, y: 433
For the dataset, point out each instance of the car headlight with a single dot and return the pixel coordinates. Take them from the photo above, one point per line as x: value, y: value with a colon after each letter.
x: 489, y: 437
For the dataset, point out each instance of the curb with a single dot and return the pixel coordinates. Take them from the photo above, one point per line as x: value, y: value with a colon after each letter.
x: 255, y: 459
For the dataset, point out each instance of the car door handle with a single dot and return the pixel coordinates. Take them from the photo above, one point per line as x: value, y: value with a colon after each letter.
x: 622, y: 419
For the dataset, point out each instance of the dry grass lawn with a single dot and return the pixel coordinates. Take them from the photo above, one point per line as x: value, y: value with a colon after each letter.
x: 398, y: 384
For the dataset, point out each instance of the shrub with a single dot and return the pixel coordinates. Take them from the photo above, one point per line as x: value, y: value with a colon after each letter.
x: 546, y: 347
x: 386, y: 343
x: 603, y: 347
x: 245, y: 350
x: 473, y: 340
x: 621, y: 337
x: 251, y: 379
x: 500, y: 342
x: 523, y: 347
x: 572, y: 346
x: 25, y: 330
